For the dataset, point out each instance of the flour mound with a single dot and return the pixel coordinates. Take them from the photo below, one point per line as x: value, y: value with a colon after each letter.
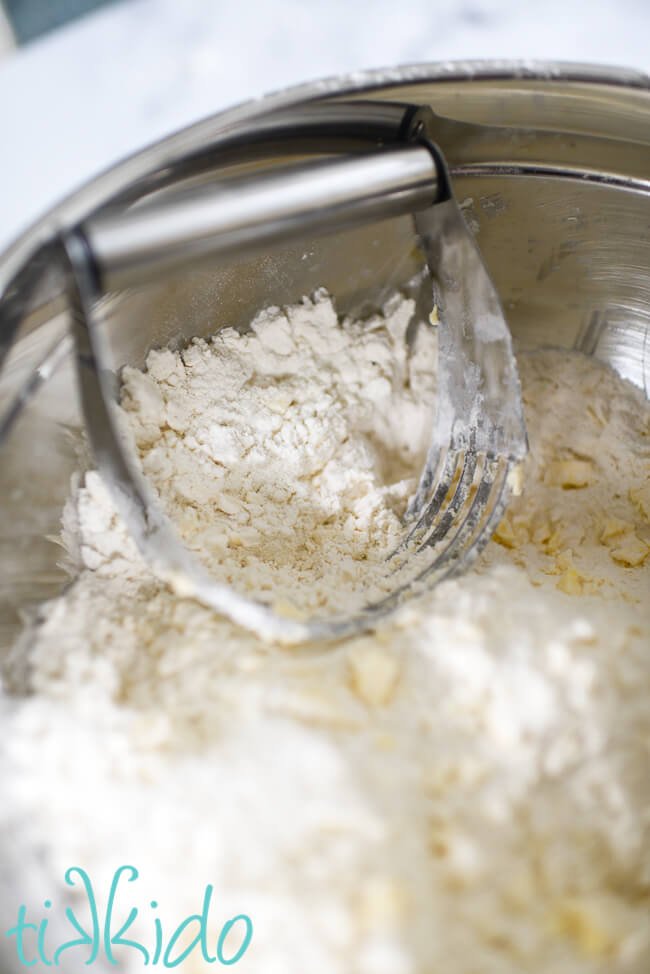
x: 286, y: 456
x: 464, y: 790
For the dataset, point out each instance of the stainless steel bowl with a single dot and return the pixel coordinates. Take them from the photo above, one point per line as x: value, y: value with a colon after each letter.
x: 557, y: 189
x: 551, y: 162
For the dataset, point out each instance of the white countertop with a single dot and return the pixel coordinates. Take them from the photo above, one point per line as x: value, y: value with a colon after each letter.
x: 89, y: 94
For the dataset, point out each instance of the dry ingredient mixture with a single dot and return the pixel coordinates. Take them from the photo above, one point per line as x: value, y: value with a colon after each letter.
x: 467, y: 790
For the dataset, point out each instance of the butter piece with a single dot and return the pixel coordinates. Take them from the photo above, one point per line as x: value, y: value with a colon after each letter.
x: 504, y: 534
x: 631, y: 551
x: 582, y: 923
x: 373, y: 674
x: 288, y: 611
x: 641, y: 497
x: 570, y: 582
x: 614, y: 528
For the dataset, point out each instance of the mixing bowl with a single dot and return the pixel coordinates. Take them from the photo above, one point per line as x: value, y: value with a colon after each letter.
x: 551, y: 163
x: 552, y: 167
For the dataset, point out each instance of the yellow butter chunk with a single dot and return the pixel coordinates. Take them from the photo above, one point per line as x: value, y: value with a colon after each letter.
x: 288, y: 611
x: 554, y: 543
x: 582, y: 923
x: 570, y: 474
x: 613, y: 529
x: 513, y: 531
x: 641, y: 497
x: 564, y: 561
x: 505, y: 535
x: 373, y: 674
x: 630, y: 551
x: 570, y: 582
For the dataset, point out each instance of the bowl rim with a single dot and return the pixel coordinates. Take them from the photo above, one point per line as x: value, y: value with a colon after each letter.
x: 107, y: 183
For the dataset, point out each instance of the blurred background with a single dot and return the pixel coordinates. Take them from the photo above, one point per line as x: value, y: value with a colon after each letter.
x: 29, y: 19
x: 84, y: 83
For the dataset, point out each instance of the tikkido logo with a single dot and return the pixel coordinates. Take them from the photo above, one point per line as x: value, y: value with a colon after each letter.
x: 32, y: 939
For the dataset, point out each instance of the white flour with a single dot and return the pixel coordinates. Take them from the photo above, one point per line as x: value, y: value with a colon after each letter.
x: 466, y: 790
x: 281, y: 456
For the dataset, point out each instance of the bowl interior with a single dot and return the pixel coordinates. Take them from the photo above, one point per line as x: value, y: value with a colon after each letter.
x: 555, y: 190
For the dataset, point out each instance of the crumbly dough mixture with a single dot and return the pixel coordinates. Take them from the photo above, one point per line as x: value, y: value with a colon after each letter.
x: 281, y: 456
x: 467, y: 789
